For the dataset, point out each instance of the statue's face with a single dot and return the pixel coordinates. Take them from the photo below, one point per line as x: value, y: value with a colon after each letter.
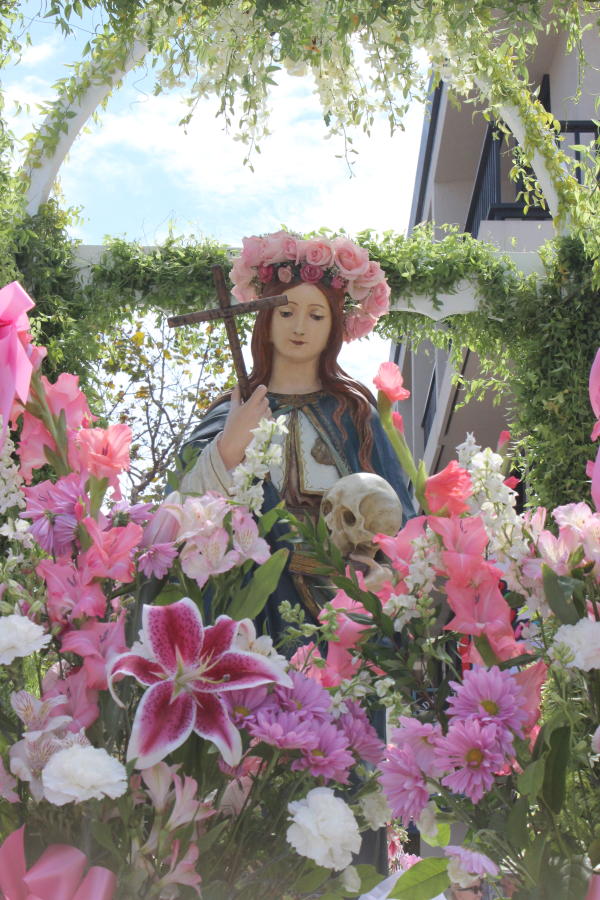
x: 300, y: 330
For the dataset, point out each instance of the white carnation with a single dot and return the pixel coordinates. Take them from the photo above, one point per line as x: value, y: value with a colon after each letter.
x: 19, y: 636
x: 83, y: 773
x: 324, y: 829
x: 582, y: 642
x: 375, y: 809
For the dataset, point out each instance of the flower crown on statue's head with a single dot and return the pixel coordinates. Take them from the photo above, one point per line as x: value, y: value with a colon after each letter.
x: 282, y: 258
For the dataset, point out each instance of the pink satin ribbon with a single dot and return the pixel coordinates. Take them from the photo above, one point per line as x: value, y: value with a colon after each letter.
x: 57, y: 875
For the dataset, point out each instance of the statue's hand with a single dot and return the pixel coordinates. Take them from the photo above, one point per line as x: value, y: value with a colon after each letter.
x: 242, y: 418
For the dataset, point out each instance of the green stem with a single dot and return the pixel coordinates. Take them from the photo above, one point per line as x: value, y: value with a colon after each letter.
x: 397, y: 440
x: 43, y: 412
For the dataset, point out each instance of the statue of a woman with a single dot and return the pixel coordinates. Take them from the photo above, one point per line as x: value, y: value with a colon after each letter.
x: 334, y: 294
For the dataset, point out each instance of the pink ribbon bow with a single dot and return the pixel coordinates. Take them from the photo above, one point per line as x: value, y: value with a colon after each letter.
x: 57, y: 875
x: 15, y: 364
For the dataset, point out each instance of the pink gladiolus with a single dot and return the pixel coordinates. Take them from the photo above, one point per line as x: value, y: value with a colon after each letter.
x: 81, y: 702
x: 399, y: 549
x: 15, y: 365
x: 347, y: 630
x: 69, y: 595
x: 111, y: 553
x: 461, y: 535
x: 389, y: 380
x: 503, y: 439
x: 594, y: 392
x: 34, y: 438
x: 398, y: 422
x: 104, y: 452
x: 96, y: 642
x: 186, y: 669
x: 531, y: 680
x: 64, y: 396
x: 449, y: 489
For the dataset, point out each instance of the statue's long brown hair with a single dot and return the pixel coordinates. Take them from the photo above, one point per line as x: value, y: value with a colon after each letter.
x: 351, y: 395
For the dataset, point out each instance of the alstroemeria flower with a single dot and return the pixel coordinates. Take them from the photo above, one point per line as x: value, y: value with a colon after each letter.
x: 186, y: 667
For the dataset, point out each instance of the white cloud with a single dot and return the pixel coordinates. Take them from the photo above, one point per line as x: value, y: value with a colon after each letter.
x: 39, y: 53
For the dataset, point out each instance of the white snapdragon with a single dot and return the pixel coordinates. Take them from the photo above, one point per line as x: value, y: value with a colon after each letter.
x: 19, y: 636
x: 83, y: 773
x: 324, y: 829
x: 264, y: 450
x: 578, y: 646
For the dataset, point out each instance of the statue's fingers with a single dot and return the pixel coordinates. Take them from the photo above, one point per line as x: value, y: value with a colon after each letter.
x: 236, y: 398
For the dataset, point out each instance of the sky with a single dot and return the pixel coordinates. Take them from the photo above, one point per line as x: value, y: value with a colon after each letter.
x: 137, y: 174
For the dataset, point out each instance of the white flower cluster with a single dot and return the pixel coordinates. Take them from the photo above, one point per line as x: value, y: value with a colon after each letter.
x: 263, y: 451
x: 578, y: 646
x: 11, y: 496
x: 426, y: 558
x: 494, y: 502
x: 324, y: 829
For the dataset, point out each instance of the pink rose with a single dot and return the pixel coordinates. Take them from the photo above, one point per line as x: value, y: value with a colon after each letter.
x: 284, y: 273
x: 265, y: 274
x: 244, y: 292
x: 350, y: 259
x: 338, y: 282
x: 290, y: 248
x: 378, y: 301
x: 254, y: 250
x: 241, y: 272
x: 318, y: 253
x: 372, y: 275
x: 276, y: 246
x: 357, y: 325
x: 311, y: 274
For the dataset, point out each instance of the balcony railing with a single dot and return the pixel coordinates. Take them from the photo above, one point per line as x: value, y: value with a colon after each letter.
x: 487, y: 201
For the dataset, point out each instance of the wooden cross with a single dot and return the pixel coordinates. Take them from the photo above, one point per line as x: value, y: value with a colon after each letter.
x: 226, y: 311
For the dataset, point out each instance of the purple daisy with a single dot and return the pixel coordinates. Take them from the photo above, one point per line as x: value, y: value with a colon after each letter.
x: 421, y: 737
x: 157, y: 559
x: 473, y: 751
x: 329, y: 757
x: 306, y: 697
x: 471, y: 861
x: 286, y: 730
x: 491, y: 696
x: 55, y: 510
x: 403, y: 783
x: 244, y: 705
x: 360, y: 734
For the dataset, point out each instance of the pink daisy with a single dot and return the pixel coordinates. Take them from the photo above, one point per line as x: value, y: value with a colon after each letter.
x: 306, y: 697
x: 329, y: 757
x: 243, y: 705
x: 286, y: 730
x: 473, y: 751
x: 360, y: 734
x: 403, y: 784
x: 491, y: 696
x: 421, y: 737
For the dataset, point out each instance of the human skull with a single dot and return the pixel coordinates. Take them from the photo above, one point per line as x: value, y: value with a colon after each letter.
x: 357, y: 507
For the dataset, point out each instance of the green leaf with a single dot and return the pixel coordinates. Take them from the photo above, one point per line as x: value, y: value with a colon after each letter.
x: 251, y: 599
x: 516, y: 823
x: 485, y: 649
x: 559, y: 594
x: 531, y: 779
x: 422, y: 881
x: 171, y: 593
x: 441, y: 838
x: 553, y: 791
x: 206, y: 840
x: 369, y: 877
x: 312, y: 880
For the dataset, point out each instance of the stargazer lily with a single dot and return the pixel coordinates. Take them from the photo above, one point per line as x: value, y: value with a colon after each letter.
x: 186, y: 667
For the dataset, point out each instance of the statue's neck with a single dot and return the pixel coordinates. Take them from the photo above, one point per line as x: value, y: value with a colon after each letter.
x: 288, y: 377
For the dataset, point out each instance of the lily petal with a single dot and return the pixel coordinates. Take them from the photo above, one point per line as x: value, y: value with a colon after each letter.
x: 144, y: 670
x: 214, y: 724
x: 174, y: 631
x: 237, y: 670
x: 162, y: 723
x: 219, y: 637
